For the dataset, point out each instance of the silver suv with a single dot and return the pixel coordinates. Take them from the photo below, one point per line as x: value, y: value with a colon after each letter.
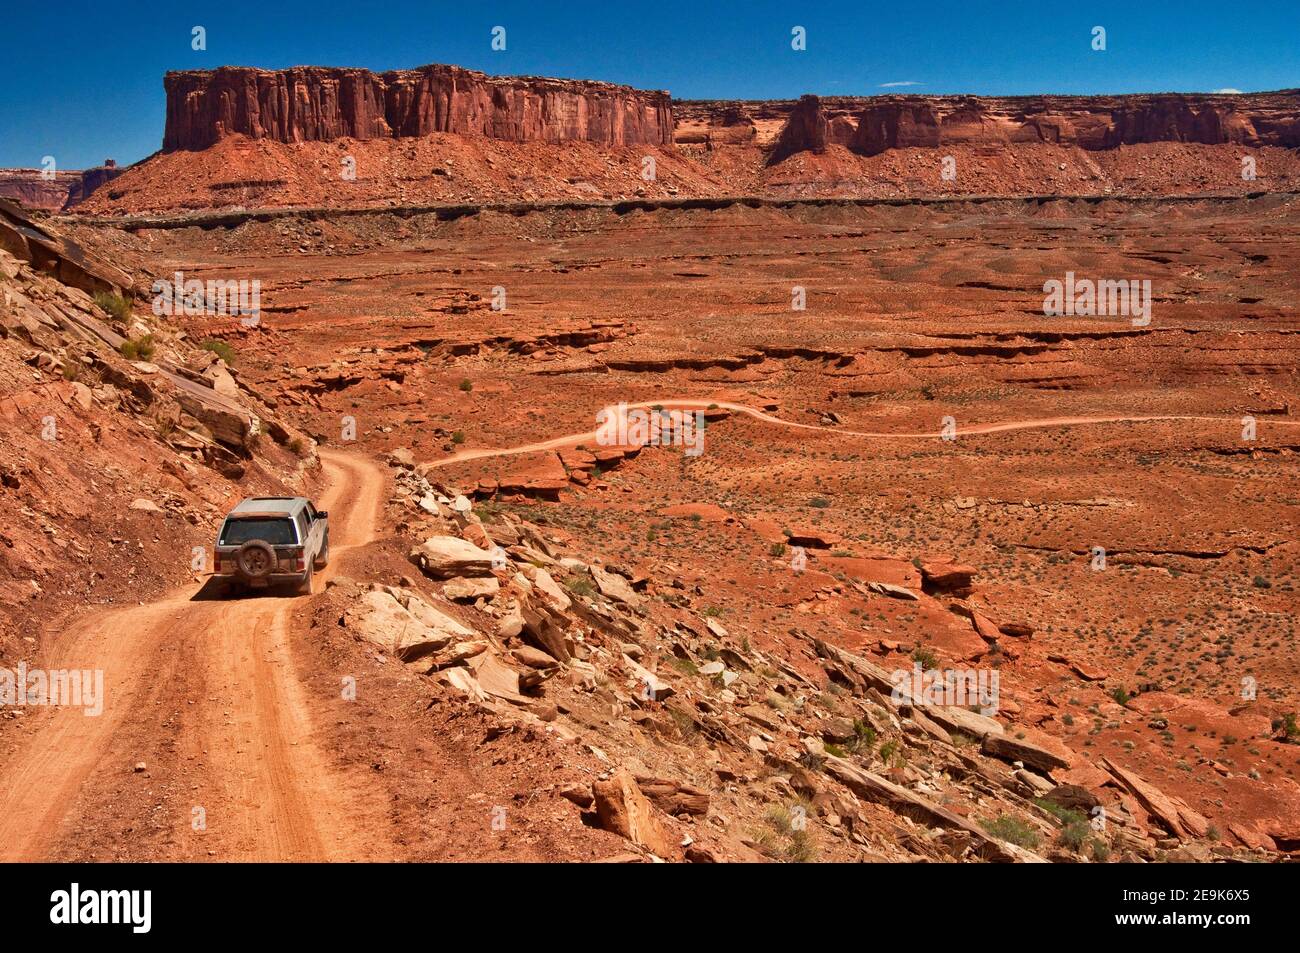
x: 268, y: 540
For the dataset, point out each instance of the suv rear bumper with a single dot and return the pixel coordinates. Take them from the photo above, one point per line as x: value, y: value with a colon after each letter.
x: 273, y: 579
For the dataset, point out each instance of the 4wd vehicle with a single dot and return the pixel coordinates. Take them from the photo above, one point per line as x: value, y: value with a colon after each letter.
x: 268, y: 540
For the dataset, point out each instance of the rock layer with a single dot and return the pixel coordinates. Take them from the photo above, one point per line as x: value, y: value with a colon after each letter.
x: 871, y: 125
x: 323, y: 103
x: 30, y: 188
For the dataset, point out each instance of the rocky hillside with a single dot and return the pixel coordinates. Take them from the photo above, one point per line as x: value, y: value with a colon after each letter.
x: 123, y: 441
x: 692, y: 744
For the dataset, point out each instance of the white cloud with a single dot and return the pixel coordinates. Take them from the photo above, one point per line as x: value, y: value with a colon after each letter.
x: 1229, y: 90
x: 905, y: 82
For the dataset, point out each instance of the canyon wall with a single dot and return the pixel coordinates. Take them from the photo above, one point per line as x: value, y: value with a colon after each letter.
x: 871, y: 125
x: 30, y: 189
x: 322, y: 103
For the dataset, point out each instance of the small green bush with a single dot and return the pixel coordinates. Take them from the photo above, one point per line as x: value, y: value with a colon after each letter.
x: 1013, y: 831
x: 925, y: 658
x: 113, y: 305
x: 580, y: 585
x: 138, y: 349
x: 221, y: 349
x: 864, y: 737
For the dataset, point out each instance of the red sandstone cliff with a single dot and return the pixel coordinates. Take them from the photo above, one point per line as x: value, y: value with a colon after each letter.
x: 871, y: 125
x: 29, y: 188
x: 321, y: 103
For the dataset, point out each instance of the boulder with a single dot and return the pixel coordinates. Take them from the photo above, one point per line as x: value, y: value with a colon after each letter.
x: 1074, y: 797
x: 545, y: 633
x: 894, y: 592
x: 1172, y: 813
x: 551, y: 592
x: 1042, y: 752
x: 467, y: 589
x: 497, y: 679
x: 579, y: 794
x: 533, y: 658
x: 674, y: 797
x: 401, y: 457
x: 622, y: 809
x: 649, y: 685
x: 444, y: 557
x: 984, y: 628
x: 941, y: 574
x: 614, y: 587
x: 871, y: 787
x: 405, y: 633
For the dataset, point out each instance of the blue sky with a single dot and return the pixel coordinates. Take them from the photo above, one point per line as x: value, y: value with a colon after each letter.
x: 83, y: 81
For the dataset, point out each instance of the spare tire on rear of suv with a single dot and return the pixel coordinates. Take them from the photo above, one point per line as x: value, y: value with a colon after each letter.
x: 255, y: 559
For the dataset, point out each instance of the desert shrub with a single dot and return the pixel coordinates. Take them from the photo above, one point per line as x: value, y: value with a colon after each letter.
x: 1012, y: 830
x: 787, y: 836
x: 685, y: 666
x: 925, y: 658
x: 1075, y: 829
x: 864, y: 737
x: 138, y: 349
x: 580, y: 585
x: 467, y: 385
x: 113, y: 305
x: 221, y: 349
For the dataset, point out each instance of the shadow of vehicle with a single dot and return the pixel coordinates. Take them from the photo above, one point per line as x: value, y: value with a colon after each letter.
x: 219, y: 589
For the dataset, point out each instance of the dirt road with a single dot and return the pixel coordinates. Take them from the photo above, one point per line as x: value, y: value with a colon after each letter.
x: 687, y: 403
x: 271, y: 793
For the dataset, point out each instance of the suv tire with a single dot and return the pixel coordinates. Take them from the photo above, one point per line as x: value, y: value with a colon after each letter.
x: 255, y: 559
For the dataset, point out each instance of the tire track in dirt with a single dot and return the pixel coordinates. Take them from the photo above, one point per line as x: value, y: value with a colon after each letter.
x: 275, y: 794
x: 42, y: 779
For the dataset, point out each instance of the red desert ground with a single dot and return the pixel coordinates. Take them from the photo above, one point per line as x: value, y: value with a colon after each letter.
x: 708, y: 480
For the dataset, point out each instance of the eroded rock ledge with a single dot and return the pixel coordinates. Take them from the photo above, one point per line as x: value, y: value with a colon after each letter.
x: 309, y: 103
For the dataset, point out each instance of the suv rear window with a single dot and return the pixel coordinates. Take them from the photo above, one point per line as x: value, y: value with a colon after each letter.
x: 276, y: 530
